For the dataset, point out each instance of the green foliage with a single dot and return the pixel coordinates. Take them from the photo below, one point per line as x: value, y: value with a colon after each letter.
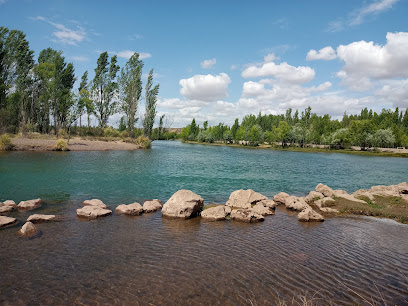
x: 110, y: 132
x: 144, y: 142
x: 5, y: 143
x: 185, y: 133
x: 151, y: 101
x: 61, y: 145
x: 255, y: 135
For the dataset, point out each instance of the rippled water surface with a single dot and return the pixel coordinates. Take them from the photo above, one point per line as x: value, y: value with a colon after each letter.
x: 147, y: 259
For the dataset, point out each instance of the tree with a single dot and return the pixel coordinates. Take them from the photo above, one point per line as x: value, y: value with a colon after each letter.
x: 130, y: 84
x: 255, y: 135
x: 161, y: 126
x: 234, y: 129
x: 205, y: 125
x: 282, y: 132
x: 151, y: 101
x: 193, y: 129
x: 105, y: 88
x: 85, y: 104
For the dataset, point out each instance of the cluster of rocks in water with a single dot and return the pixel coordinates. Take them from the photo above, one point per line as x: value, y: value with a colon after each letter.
x: 242, y: 205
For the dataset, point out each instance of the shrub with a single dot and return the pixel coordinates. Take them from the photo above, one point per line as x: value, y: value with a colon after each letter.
x: 124, y: 134
x: 110, y: 132
x: 5, y: 143
x: 144, y: 142
x: 61, y: 145
x: 62, y: 133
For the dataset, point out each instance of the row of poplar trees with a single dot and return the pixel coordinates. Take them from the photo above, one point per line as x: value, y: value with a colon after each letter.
x: 39, y: 96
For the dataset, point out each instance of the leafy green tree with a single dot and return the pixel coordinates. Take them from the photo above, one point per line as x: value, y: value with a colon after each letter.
x: 185, y: 133
x: 151, y: 101
x: 193, y: 129
x: 160, y: 130
x: 105, y: 88
x: 205, y: 125
x: 255, y: 135
x: 85, y: 104
x: 130, y: 84
x: 282, y: 132
x: 234, y: 129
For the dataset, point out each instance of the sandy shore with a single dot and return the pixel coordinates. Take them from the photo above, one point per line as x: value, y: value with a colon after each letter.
x: 75, y: 144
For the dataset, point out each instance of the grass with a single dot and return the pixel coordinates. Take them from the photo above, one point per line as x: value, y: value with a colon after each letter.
x: 387, y: 207
x: 307, y: 150
x: 5, y: 143
x: 211, y: 206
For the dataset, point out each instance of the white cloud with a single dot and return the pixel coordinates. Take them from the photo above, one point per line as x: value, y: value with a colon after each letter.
x: 208, y: 63
x: 205, y: 87
x: 395, y: 91
x: 63, y: 34
x: 364, y: 61
x: 326, y: 54
x: 283, y: 72
x: 358, y: 16
x: 270, y: 58
x: 126, y: 54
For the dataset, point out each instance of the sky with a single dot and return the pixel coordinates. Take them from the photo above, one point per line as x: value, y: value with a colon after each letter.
x: 221, y: 60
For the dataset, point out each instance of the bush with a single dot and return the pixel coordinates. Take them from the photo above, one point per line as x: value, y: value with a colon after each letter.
x: 144, y: 142
x: 124, y: 134
x: 61, y: 145
x: 110, y: 132
x: 5, y: 143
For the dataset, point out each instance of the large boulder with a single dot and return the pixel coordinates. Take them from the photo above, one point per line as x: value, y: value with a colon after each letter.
x: 93, y: 212
x: 269, y: 203
x: 133, y: 209
x: 9, y: 203
x: 29, y: 205
x: 6, y: 209
x: 349, y: 197
x: 280, y: 198
x: 244, y: 198
x: 263, y: 210
x: 246, y: 215
x: 28, y: 230
x: 38, y: 218
x: 152, y: 206
x: 6, y: 221
x: 183, y: 204
x: 295, y: 203
x: 322, y: 203
x: 309, y: 214
x: 313, y: 196
x: 216, y: 213
x: 95, y: 202
x: 403, y: 188
x: 326, y: 190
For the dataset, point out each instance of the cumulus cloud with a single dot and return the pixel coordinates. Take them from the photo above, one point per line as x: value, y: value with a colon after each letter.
x: 270, y: 58
x: 126, y: 54
x: 364, y: 61
x: 63, y: 34
x: 208, y: 63
x: 326, y: 54
x: 395, y: 91
x: 283, y: 72
x: 205, y: 87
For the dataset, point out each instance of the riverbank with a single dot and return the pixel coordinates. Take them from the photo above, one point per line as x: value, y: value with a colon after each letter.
x: 309, y: 150
x: 74, y: 144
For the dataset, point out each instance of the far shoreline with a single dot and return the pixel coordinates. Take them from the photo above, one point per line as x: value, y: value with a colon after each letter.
x: 303, y: 150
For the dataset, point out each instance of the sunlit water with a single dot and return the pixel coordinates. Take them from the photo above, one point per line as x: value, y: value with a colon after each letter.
x: 147, y: 259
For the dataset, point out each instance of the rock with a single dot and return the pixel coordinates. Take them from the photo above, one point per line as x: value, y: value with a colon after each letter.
x: 268, y: 203
x: 183, y: 204
x: 38, y: 218
x: 133, y: 209
x: 9, y: 203
x: 309, y: 214
x: 28, y: 230
x: 95, y: 202
x: 326, y: 190
x: 385, y: 191
x: 323, y: 202
x: 246, y: 215
x: 216, y: 213
x: 227, y: 209
x: 363, y: 193
x: 6, y: 221
x: 262, y: 210
x: 6, y: 209
x: 403, y: 188
x: 295, y: 203
x: 92, y: 212
x: 280, y: 198
x: 339, y: 192
x: 151, y: 206
x: 351, y: 198
x: 244, y: 198
x: 313, y: 196
x: 29, y: 205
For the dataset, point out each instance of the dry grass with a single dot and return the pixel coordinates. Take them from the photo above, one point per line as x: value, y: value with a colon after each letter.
x: 388, y: 207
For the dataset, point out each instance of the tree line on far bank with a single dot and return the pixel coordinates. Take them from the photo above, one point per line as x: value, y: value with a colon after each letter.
x: 367, y: 129
x: 38, y: 95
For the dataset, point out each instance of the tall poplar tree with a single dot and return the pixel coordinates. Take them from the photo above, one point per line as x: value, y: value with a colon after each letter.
x: 105, y: 88
x: 151, y: 101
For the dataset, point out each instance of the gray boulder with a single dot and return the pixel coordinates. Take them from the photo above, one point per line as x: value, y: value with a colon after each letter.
x: 216, y: 213
x: 95, y: 202
x: 183, y: 204
x: 93, y: 212
x: 38, y: 218
x: 262, y: 210
x: 246, y: 215
x: 313, y: 196
x: 133, y: 209
x: 6, y: 221
x: 326, y: 190
x: 244, y: 198
x: 309, y: 214
x: 280, y: 198
x: 6, y: 209
x: 295, y: 203
x: 9, y: 203
x: 28, y: 230
x: 152, y: 206
x: 29, y: 205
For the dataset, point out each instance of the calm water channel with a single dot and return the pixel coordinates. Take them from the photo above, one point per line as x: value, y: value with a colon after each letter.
x: 147, y: 259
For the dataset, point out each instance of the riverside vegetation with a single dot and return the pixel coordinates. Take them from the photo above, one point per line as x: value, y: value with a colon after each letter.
x: 37, y: 96
x: 306, y: 129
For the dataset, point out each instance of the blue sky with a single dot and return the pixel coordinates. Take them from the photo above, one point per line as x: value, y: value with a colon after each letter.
x: 220, y: 60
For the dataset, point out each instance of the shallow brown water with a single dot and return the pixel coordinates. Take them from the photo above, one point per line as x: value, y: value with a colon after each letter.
x: 149, y: 260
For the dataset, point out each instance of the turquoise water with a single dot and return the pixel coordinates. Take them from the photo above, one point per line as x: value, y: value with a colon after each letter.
x: 213, y: 172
